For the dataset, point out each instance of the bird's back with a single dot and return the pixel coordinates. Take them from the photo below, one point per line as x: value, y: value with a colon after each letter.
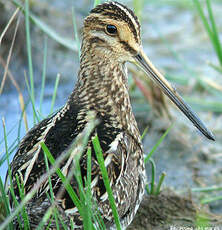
x: 120, y: 151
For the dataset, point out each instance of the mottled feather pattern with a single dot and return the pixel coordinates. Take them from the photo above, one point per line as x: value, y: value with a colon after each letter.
x: 101, y: 88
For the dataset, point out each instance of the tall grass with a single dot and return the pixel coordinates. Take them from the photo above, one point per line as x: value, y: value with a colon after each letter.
x: 29, y: 51
x: 152, y: 188
x: 84, y: 203
x: 210, y: 27
x: 43, y: 75
x: 102, y: 166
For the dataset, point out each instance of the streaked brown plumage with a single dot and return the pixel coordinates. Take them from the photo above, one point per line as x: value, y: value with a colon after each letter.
x: 111, y: 37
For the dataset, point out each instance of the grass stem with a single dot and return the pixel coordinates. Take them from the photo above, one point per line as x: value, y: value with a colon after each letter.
x: 100, y: 159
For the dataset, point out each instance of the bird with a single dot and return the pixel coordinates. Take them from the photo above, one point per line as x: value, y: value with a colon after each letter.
x: 111, y: 37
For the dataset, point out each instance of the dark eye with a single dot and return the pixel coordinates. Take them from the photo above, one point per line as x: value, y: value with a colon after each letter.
x: 111, y: 29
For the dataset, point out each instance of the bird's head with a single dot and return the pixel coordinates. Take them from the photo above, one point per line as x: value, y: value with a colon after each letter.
x: 112, y: 32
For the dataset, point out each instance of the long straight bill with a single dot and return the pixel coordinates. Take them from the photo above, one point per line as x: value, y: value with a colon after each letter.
x: 157, y: 77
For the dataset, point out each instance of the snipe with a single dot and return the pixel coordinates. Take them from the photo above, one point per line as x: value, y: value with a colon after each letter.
x: 111, y: 37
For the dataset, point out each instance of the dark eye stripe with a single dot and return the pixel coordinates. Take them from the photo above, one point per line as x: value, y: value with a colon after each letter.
x: 128, y: 47
x: 96, y: 40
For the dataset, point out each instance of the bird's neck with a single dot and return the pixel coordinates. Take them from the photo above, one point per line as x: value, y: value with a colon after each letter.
x: 102, y: 86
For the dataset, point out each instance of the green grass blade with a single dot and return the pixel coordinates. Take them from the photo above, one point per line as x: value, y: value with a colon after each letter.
x: 8, y: 25
x: 96, y: 2
x: 16, y: 203
x: 4, y: 204
x: 51, y: 190
x: 32, y: 102
x: 203, y: 18
x: 147, y: 188
x: 216, y: 43
x: 54, y: 93
x: 72, y: 224
x: 82, y: 139
x: 76, y: 35
x: 100, y: 159
x: 88, y: 188
x: 6, y: 142
x: 22, y: 195
x: 97, y: 218
x: 43, y: 74
x: 29, y: 51
x: 85, y: 193
x: 68, y: 43
x: 217, y: 68
x: 207, y: 189
x: 3, y: 194
x: 89, y: 170
x: 8, y: 132
x: 85, y: 211
x: 144, y: 132
x: 138, y: 8
x: 158, y: 187
x: 202, y: 221
x: 153, y: 169
x: 64, y: 226
x: 3, y: 191
x: 205, y: 105
x: 75, y: 152
x: 67, y: 185
x: 157, y: 144
x: 45, y: 218
x: 210, y: 199
x: 11, y: 150
x: 212, y: 32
